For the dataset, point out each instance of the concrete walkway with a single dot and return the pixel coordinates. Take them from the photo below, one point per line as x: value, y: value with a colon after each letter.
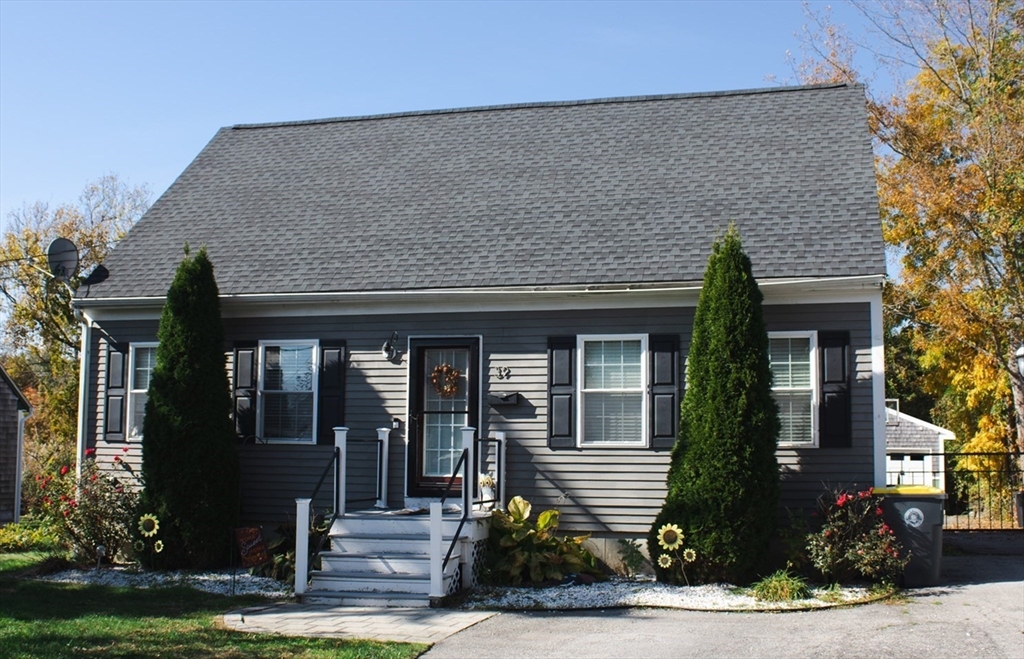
x: 380, y: 624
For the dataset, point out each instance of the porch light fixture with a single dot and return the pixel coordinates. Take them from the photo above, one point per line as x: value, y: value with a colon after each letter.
x: 388, y: 349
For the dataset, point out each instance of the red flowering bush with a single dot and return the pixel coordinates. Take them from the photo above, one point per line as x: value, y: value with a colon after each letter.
x: 94, y: 511
x: 854, y: 541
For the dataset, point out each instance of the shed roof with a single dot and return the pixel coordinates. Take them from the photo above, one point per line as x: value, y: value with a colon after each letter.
x: 910, y: 434
x: 607, y: 191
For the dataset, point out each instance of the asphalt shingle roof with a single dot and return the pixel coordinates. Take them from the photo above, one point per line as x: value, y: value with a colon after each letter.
x: 593, y: 192
x: 907, y: 433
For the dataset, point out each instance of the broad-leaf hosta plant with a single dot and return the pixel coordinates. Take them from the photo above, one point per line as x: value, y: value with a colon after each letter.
x: 523, y: 551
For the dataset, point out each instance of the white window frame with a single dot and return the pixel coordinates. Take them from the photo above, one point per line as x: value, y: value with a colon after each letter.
x: 261, y: 378
x: 815, y: 384
x: 645, y: 390
x: 131, y: 390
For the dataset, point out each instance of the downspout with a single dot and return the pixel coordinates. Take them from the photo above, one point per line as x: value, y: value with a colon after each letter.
x: 83, y: 379
x: 23, y: 416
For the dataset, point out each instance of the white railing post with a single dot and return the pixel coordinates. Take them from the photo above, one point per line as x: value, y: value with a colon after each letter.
x: 341, y: 443
x: 384, y: 435
x: 301, y: 545
x: 468, y: 469
x: 500, y: 436
x: 436, y: 549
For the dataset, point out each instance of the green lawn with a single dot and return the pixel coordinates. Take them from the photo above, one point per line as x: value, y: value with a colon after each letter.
x: 39, y: 619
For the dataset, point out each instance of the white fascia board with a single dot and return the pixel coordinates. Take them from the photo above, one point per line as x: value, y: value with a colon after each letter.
x: 515, y: 299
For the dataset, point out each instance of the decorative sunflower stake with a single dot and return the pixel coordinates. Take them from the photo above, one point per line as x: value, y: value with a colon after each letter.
x: 149, y: 526
x: 670, y: 538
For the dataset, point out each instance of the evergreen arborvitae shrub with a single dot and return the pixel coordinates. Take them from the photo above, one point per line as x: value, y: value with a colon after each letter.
x: 723, y: 480
x: 190, y: 463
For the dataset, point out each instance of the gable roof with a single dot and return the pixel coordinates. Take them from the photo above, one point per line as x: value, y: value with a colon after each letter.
x: 610, y: 191
x: 22, y: 402
x: 908, y: 433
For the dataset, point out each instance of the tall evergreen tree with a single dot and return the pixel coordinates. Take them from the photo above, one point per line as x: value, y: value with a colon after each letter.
x: 190, y: 463
x: 723, y: 482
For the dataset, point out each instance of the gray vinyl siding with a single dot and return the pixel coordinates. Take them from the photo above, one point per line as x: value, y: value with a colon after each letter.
x: 604, y: 491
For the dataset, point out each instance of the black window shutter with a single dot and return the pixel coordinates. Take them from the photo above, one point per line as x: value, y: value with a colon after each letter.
x: 331, y: 403
x: 117, y: 391
x: 664, y: 378
x: 243, y: 387
x: 562, y: 392
x: 834, y: 408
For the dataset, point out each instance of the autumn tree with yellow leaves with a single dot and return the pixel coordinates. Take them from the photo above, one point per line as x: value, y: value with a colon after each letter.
x: 950, y: 166
x: 40, y: 341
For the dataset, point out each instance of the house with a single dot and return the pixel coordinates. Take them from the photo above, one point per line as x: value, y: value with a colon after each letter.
x: 526, y: 269
x: 914, y: 451
x: 14, y: 409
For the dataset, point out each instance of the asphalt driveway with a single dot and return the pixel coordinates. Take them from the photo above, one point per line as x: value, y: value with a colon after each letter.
x: 977, y: 612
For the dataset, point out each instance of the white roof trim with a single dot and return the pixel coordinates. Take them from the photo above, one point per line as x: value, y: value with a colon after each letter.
x: 770, y: 286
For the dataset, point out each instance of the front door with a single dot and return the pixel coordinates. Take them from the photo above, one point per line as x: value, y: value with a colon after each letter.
x: 445, y: 398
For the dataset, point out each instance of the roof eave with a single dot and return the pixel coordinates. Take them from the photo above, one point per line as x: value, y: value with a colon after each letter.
x: 788, y: 285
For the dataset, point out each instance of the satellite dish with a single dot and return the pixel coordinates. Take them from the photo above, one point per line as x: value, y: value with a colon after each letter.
x: 62, y: 257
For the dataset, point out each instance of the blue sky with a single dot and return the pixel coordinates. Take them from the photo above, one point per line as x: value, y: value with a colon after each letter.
x: 138, y: 88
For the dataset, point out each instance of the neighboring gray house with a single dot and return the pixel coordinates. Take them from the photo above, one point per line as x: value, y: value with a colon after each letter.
x: 14, y: 409
x: 531, y: 269
x: 914, y: 451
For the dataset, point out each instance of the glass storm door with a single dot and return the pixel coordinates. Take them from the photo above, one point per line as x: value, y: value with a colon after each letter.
x: 445, y: 400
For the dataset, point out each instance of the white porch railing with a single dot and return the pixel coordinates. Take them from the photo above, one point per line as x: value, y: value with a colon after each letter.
x: 302, y: 506
x: 470, y: 473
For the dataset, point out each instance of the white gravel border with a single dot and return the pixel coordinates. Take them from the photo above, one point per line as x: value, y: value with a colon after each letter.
x: 614, y: 593
x: 618, y: 593
x: 217, y: 582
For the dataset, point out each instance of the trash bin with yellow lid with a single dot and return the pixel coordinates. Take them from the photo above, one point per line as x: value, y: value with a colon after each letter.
x: 915, y: 513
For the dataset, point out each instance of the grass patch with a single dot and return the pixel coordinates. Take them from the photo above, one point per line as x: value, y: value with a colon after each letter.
x: 833, y: 594
x: 39, y: 619
x: 781, y: 586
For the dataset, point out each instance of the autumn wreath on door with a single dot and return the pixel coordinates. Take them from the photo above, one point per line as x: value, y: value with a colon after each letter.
x: 445, y: 380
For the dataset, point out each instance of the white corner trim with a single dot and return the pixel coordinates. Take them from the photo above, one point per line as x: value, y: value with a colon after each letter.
x: 878, y: 387
x: 85, y: 358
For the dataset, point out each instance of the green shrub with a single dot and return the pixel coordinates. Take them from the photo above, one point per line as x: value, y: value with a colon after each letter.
x: 29, y: 534
x: 88, y: 513
x: 781, y: 586
x: 190, y: 464
x: 793, y: 542
x: 519, y: 550
x: 723, y: 480
x: 854, y: 541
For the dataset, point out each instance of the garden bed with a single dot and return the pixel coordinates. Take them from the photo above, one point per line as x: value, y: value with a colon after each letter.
x: 620, y: 593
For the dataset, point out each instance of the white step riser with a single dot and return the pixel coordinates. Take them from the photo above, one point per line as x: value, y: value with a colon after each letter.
x: 386, y: 564
x: 394, y: 602
x: 380, y: 584
x: 401, y: 524
x: 386, y: 545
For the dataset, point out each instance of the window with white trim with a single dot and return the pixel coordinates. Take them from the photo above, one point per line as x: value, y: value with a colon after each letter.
x: 287, y: 393
x: 613, y: 397
x: 142, y: 359
x: 794, y: 361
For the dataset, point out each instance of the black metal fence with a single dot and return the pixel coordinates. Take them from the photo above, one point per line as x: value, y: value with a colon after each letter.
x: 980, y: 487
